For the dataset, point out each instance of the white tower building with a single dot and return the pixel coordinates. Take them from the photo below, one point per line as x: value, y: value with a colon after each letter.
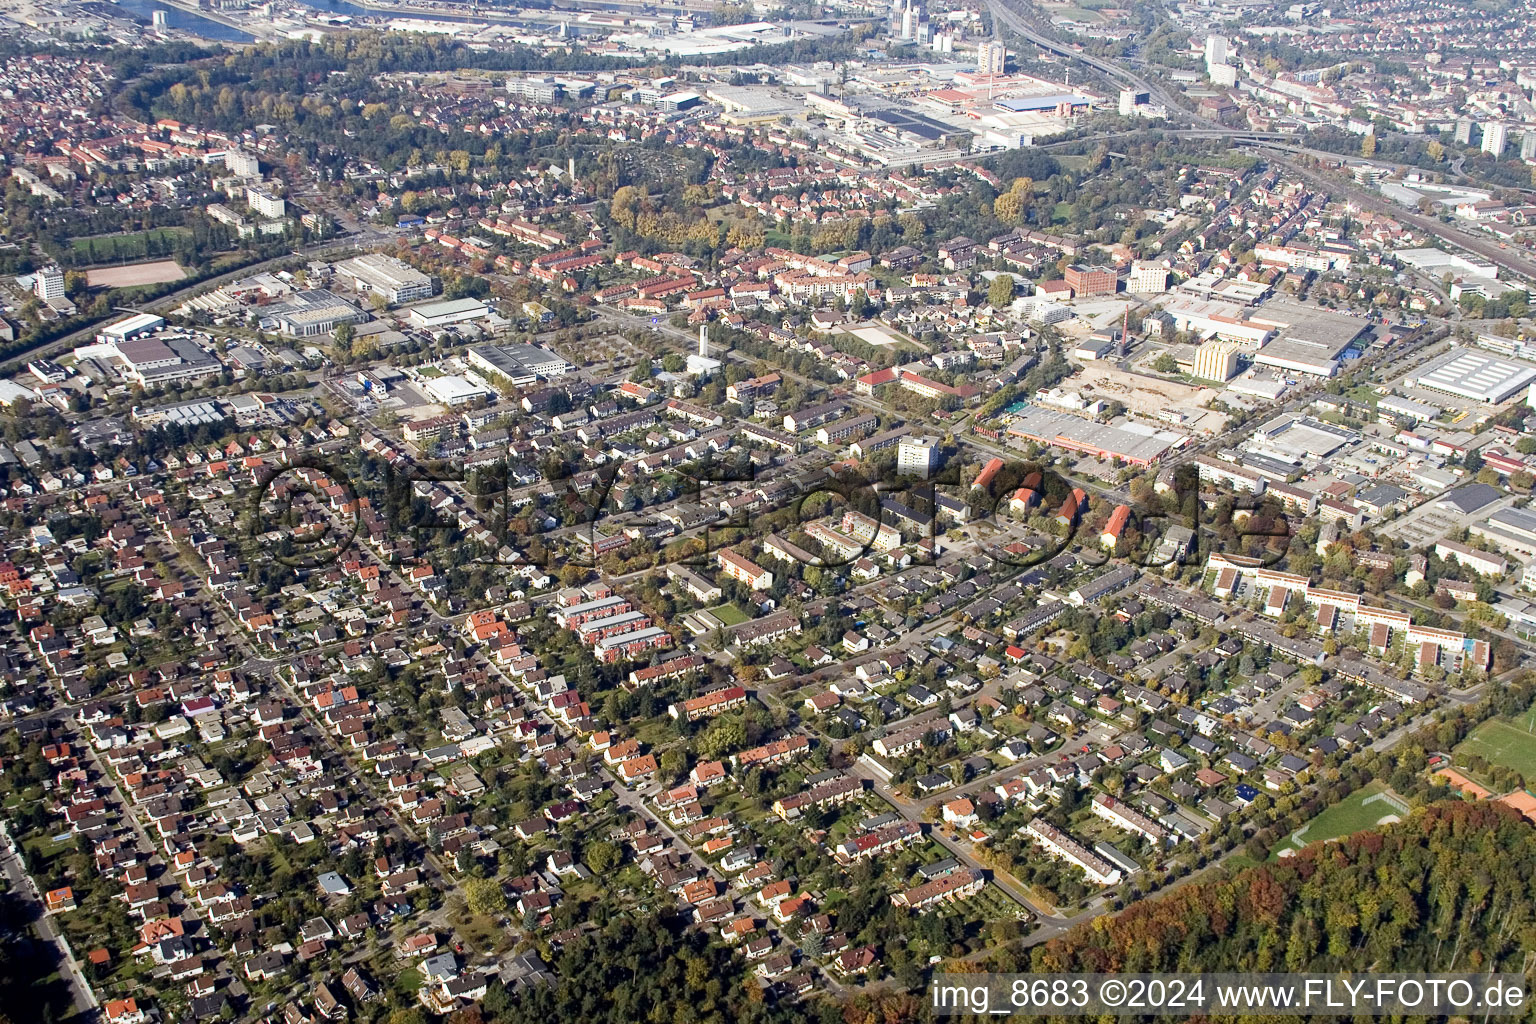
x: 1215, y: 50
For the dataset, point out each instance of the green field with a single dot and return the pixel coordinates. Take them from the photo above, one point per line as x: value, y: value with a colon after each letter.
x: 132, y: 246
x: 1352, y: 814
x: 729, y: 614
x: 1077, y: 14
x: 1504, y: 742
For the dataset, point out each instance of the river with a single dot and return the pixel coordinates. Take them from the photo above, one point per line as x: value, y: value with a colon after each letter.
x: 510, y: 18
x: 186, y: 21
x: 358, y: 11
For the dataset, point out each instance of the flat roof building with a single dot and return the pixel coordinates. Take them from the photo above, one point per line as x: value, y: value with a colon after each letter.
x: 1513, y: 529
x: 1475, y: 375
x: 1297, y: 357
x: 1310, y: 341
x: 1292, y: 438
x: 162, y: 360
x: 1216, y: 360
x: 265, y: 202
x: 453, y: 390
x: 1063, y: 430
x: 133, y: 327
x: 394, y: 279
x: 520, y: 364
x: 1215, y: 319
x: 1397, y: 405
x: 1090, y: 280
x: 450, y: 311
x: 1438, y: 261
x: 917, y: 455
x: 1469, y: 499
x: 311, y: 313
x: 1148, y: 277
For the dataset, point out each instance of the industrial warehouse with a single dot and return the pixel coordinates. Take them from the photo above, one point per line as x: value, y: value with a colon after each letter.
x: 520, y: 364
x: 1131, y: 443
x: 1475, y: 375
x: 394, y: 279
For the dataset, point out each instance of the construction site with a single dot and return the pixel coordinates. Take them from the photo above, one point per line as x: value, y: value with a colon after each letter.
x: 1180, y: 405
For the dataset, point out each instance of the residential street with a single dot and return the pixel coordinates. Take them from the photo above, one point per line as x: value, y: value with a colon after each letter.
x: 21, y: 883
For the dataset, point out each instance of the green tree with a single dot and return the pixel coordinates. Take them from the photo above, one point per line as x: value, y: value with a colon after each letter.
x: 625, y: 204
x: 485, y: 896
x: 724, y: 735
x: 1001, y: 292
x: 673, y: 762
x: 1011, y: 206
x: 601, y: 857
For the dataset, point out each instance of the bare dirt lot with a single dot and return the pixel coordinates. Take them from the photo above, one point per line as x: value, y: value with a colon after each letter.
x: 1145, y: 396
x: 135, y: 274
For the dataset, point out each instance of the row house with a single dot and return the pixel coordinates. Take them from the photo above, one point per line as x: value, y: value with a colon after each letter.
x: 948, y: 888
x: 710, y: 704
x: 1062, y: 846
x: 879, y: 841
x: 832, y: 793
x: 1123, y: 816
x: 772, y: 754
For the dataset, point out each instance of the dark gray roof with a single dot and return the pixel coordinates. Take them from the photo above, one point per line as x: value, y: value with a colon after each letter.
x: 1382, y: 494
x: 1468, y: 498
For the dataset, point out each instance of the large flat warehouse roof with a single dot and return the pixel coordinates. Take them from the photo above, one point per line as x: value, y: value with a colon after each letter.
x: 1077, y: 434
x: 1476, y: 375
x: 1310, y: 340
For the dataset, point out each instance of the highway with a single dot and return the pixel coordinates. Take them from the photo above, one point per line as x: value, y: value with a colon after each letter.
x: 1236, y: 135
x: 254, y: 27
x: 1008, y: 14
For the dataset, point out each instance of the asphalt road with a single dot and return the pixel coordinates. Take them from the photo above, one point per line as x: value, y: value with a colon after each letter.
x: 913, y: 809
x: 1509, y: 259
x: 1004, y: 12
x: 83, y: 998
x: 87, y: 333
x: 1008, y: 15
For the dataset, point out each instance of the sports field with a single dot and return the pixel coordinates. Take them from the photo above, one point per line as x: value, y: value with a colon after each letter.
x: 1511, y: 743
x: 135, y: 274
x: 134, y: 245
x: 1352, y: 814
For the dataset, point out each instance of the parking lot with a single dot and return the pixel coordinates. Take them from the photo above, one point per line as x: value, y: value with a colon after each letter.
x: 1431, y: 521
